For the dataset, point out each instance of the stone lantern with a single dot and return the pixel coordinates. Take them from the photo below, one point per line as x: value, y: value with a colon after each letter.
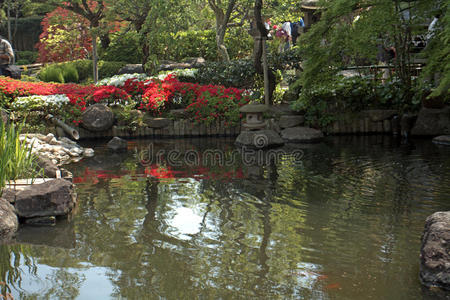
x: 254, y: 116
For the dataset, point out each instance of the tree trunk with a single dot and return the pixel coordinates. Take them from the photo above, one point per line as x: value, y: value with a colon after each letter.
x: 8, y: 10
x: 258, y: 51
x: 223, y: 52
x: 94, y: 57
x: 222, y: 19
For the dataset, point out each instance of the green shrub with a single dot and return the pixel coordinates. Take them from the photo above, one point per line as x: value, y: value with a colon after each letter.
x: 83, y: 68
x: 52, y: 73
x: 123, y: 47
x: 109, y: 68
x: 26, y: 57
x: 70, y: 73
x: 236, y: 73
x: 325, y: 102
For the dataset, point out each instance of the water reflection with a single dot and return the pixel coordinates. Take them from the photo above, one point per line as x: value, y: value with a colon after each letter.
x: 343, y: 223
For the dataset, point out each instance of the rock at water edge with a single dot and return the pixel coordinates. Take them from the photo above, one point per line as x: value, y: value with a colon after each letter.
x: 117, y: 144
x: 8, y: 220
x: 52, y: 198
x: 435, y: 251
x: 301, y: 135
x: 259, y: 139
x: 442, y: 140
x: 97, y: 117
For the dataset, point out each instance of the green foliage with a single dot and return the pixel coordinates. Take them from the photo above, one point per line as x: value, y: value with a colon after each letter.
x: 52, y: 73
x: 326, y: 102
x: 199, y: 43
x: 124, y: 47
x: 109, y: 68
x: 26, y: 57
x: 78, y: 68
x: 236, y: 73
x: 438, y: 55
x: 16, y: 158
x: 70, y: 73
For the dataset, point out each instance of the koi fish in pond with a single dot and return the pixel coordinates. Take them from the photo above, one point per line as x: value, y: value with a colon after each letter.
x: 333, y: 286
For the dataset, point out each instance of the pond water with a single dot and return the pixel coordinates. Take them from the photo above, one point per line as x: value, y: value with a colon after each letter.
x: 337, y: 220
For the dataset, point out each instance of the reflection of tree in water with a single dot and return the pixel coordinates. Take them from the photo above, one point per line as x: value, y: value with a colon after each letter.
x: 10, y: 260
x: 254, y: 234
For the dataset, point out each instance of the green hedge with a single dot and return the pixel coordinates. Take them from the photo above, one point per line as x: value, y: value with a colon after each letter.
x: 78, y: 68
x: 123, y: 47
x: 26, y: 57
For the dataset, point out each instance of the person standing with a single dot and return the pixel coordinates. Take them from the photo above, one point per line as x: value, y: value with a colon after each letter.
x: 6, y: 56
x: 288, y: 39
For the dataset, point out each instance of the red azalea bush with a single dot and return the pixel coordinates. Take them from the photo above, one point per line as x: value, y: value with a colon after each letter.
x: 204, y: 103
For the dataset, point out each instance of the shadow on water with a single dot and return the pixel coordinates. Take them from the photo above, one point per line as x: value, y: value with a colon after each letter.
x: 341, y: 221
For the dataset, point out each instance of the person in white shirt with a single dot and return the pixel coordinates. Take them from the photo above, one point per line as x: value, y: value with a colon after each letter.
x: 6, y: 55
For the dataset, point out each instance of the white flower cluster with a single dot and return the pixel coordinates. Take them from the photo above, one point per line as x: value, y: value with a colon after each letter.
x: 119, y: 80
x: 37, y: 101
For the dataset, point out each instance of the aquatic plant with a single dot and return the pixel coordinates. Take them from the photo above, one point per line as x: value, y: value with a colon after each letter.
x: 16, y: 158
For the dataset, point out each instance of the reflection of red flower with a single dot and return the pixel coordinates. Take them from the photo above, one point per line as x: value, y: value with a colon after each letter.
x: 159, y: 172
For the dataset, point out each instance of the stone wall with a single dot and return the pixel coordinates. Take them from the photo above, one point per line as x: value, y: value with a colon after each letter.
x: 175, y: 128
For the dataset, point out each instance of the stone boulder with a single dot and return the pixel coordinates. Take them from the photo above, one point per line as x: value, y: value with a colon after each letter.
x: 432, y: 122
x: 157, y: 122
x: 179, y: 113
x: 301, y: 135
x: 117, y: 144
x: 50, y: 170
x: 4, y: 117
x: 282, y: 109
x: 259, y: 139
x: 8, y: 220
x: 97, y: 117
x: 291, y: 121
x: 377, y: 115
x: 52, y: 198
x: 435, y: 251
x: 442, y: 140
x: 131, y: 69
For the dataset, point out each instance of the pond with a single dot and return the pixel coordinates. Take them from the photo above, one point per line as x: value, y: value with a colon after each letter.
x: 196, y: 219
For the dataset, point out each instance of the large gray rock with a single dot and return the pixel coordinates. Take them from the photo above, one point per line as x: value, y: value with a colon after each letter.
x: 97, y: 117
x: 157, y: 122
x: 259, y: 139
x: 131, y: 69
x: 435, y: 251
x: 4, y: 116
x: 50, y: 170
x: 442, y: 140
x: 432, y: 122
x: 376, y: 115
x: 291, y: 121
x: 52, y: 198
x: 8, y: 220
x: 117, y: 144
x: 301, y: 135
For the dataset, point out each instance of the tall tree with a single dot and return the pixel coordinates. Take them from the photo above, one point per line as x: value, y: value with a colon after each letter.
x: 94, y: 12
x: 228, y: 14
x: 261, y: 35
x: 152, y: 20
